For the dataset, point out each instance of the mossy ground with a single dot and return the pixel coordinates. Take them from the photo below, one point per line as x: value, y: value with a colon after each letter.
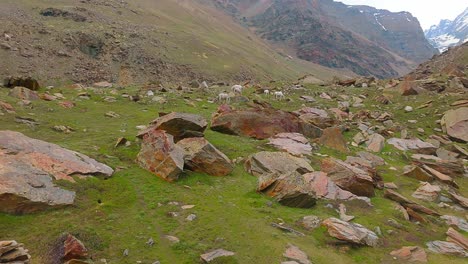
x: 230, y: 214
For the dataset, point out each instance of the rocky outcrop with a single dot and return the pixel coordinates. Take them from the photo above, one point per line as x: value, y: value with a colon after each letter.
x: 408, y: 204
x: 293, y: 143
x: 455, y: 124
x: 350, y: 232
x: 29, y: 166
x: 14, y: 253
x: 179, y: 125
x: 427, y: 192
x: 160, y: 155
x: 260, y: 122
x: 348, y: 177
x: 201, y: 156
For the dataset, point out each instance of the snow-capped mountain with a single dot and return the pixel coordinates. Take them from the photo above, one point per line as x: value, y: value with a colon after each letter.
x: 449, y: 33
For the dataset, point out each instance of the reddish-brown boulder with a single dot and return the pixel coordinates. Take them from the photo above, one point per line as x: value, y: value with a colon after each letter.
x: 4, y: 106
x: 457, y: 238
x: 201, y: 156
x: 160, y: 155
x: 260, y: 122
x: 410, y: 254
x: 348, y: 177
x: 68, y: 249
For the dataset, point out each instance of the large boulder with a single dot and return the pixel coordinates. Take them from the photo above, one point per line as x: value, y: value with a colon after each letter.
x: 201, y: 156
x: 161, y: 156
x: 296, y: 255
x: 288, y: 189
x: 293, y: 143
x: 415, y: 145
x: 179, y: 125
x: 455, y: 123
x: 27, y: 82
x: 29, y: 166
x: 23, y: 94
x: 375, y: 143
x: 260, y: 122
x: 276, y: 162
x: 348, y: 177
x: 13, y: 252
x: 350, y: 232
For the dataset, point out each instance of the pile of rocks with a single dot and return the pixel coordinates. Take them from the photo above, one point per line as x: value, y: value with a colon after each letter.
x: 175, y: 142
x: 13, y: 252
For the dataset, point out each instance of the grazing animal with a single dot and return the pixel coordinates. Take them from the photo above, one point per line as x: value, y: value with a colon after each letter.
x: 150, y: 93
x: 279, y: 95
x: 224, y: 97
x: 237, y: 89
x: 266, y: 92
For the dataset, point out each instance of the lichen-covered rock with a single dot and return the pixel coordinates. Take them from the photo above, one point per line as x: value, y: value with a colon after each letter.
x: 28, y: 167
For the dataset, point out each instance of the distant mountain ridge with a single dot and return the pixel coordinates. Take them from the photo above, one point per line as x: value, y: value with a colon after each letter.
x: 363, y: 39
x: 449, y: 33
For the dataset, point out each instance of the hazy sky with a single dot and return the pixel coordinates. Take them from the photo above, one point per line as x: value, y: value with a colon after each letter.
x: 428, y: 12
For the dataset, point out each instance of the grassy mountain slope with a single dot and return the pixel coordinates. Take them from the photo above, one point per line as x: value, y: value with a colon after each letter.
x: 135, y: 41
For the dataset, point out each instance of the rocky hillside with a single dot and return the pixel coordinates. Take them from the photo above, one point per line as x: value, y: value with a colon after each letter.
x: 449, y: 33
x: 364, y: 39
x: 447, y: 72
x: 134, y: 41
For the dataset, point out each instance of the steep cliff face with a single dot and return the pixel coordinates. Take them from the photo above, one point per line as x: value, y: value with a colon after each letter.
x: 363, y: 39
x: 449, y: 33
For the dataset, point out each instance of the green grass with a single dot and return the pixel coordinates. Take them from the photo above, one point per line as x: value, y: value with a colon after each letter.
x: 230, y: 214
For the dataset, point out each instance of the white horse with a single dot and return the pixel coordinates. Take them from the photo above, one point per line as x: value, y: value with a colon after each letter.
x: 266, y: 92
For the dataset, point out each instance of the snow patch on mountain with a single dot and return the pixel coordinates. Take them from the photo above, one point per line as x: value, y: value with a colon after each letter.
x: 449, y: 33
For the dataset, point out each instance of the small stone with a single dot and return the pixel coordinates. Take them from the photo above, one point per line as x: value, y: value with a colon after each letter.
x: 408, y: 109
x: 212, y: 255
x: 191, y: 217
